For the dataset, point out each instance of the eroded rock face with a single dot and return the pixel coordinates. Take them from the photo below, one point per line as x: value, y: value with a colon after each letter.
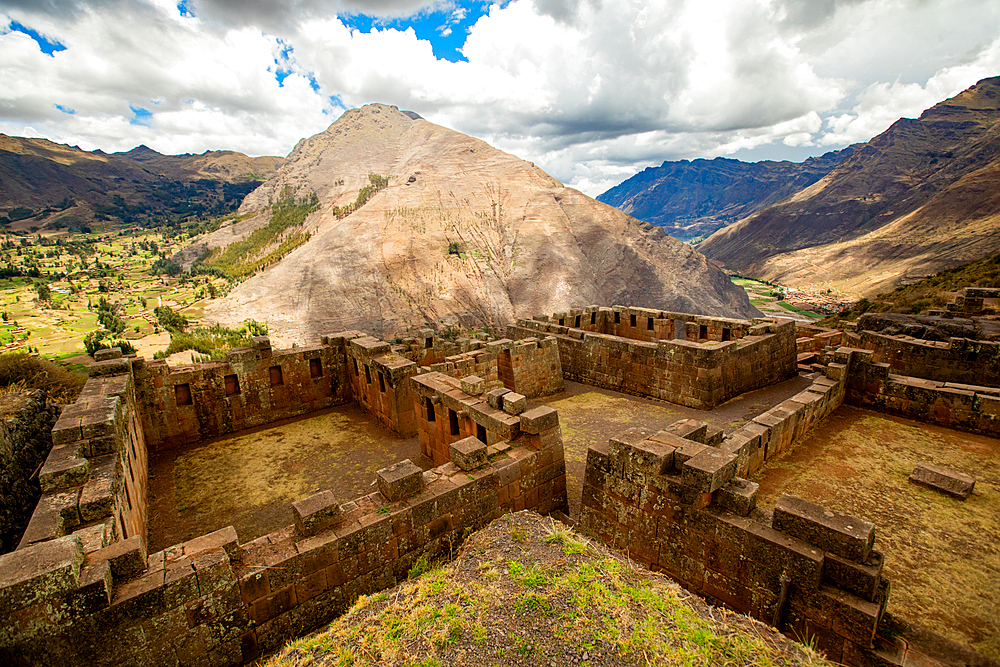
x: 527, y: 243
x: 927, y: 327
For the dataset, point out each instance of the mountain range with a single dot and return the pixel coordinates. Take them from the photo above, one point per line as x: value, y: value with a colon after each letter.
x: 692, y: 199
x: 50, y: 185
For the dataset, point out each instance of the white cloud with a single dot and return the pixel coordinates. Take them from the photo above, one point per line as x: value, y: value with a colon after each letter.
x: 590, y: 91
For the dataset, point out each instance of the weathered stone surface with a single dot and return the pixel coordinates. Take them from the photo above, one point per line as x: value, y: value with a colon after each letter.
x: 109, y: 353
x: 473, y: 385
x: 539, y: 419
x: 738, y: 496
x: 955, y: 484
x: 838, y: 533
x: 39, y: 571
x: 469, y: 453
x: 709, y: 469
x: 634, y: 451
x: 316, y: 513
x: 63, y: 470
x: 514, y: 404
x: 400, y: 480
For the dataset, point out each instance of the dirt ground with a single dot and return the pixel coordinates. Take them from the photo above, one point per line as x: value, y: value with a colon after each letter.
x: 250, y: 480
x: 589, y: 415
x: 942, y: 554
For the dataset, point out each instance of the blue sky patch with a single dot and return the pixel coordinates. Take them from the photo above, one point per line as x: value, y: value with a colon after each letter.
x: 64, y: 109
x: 140, y: 116
x: 184, y: 7
x: 47, y: 46
x: 446, y: 30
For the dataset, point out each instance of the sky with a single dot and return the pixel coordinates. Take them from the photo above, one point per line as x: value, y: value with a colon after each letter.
x: 592, y: 91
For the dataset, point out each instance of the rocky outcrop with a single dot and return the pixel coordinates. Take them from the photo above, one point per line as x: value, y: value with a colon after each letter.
x: 464, y: 234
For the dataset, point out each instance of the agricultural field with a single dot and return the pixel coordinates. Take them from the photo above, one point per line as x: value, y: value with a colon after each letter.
x: 772, y: 300
x: 52, y: 287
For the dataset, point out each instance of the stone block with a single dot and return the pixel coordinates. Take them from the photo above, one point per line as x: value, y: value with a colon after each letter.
x: 62, y: 470
x: 539, y: 419
x: 709, y: 469
x: 39, y: 571
x: 400, y: 480
x: 126, y: 558
x: 954, y: 484
x: 109, y: 353
x: 738, y: 496
x: 638, y: 454
x: 838, y: 533
x: 495, y: 399
x: 224, y: 537
x: 469, y: 453
x: 97, y: 497
x: 473, y: 385
x: 861, y: 579
x: 514, y: 404
x: 316, y: 513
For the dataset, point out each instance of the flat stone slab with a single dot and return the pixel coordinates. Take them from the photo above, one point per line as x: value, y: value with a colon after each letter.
x: 400, y: 480
x: 468, y: 453
x: 838, y: 533
x: 316, y: 513
x: 955, y: 484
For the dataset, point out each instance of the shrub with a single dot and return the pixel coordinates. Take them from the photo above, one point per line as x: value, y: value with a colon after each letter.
x: 19, y: 371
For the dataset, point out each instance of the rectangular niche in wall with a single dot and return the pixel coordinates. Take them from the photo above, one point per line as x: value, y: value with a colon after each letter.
x: 182, y: 394
x: 430, y: 410
x: 315, y: 368
x: 381, y: 381
x: 232, y: 385
x: 276, y: 377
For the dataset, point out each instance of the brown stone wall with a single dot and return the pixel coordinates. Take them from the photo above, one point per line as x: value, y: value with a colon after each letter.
x: 964, y: 407
x: 94, y: 480
x: 677, y: 507
x: 211, y: 601
x: 958, y: 360
x: 380, y: 381
x: 183, y: 404
x: 696, y: 374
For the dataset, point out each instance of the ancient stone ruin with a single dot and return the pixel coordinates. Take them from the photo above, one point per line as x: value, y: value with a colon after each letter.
x: 676, y: 500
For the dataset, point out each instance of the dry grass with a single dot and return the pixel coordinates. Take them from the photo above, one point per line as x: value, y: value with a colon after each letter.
x: 20, y: 371
x: 528, y: 591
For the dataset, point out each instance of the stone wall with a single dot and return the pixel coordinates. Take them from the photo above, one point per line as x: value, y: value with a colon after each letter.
x: 379, y: 380
x: 699, y: 374
x: 211, y: 601
x: 678, y: 507
x: 26, y: 422
x: 964, y: 407
x: 648, y: 325
x: 957, y: 360
x: 94, y: 480
x: 254, y: 386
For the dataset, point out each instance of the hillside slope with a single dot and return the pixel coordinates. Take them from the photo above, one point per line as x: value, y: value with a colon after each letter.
x: 918, y: 198
x: 526, y: 244
x: 692, y: 199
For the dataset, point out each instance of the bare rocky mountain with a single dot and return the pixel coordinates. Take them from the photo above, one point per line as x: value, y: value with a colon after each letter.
x: 526, y: 243
x: 51, y: 182
x: 692, y: 199
x: 920, y: 197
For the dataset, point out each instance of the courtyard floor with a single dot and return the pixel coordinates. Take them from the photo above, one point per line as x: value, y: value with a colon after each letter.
x: 250, y: 479
x: 942, y: 556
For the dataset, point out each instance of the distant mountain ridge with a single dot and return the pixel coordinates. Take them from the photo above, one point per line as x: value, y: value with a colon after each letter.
x: 462, y: 234
x: 56, y: 182
x: 921, y: 197
x: 692, y: 199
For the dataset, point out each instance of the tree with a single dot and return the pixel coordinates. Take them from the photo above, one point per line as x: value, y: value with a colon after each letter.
x: 43, y: 291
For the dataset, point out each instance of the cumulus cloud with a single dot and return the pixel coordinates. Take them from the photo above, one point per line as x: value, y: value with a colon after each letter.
x: 591, y: 91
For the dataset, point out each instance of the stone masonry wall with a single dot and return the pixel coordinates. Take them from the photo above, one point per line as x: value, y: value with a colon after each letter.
x: 649, y: 325
x: 211, y: 601
x: 94, y: 480
x: 964, y: 407
x: 678, y: 507
x: 25, y: 440
x: 379, y: 380
x: 252, y: 387
x: 697, y: 374
x: 957, y: 360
